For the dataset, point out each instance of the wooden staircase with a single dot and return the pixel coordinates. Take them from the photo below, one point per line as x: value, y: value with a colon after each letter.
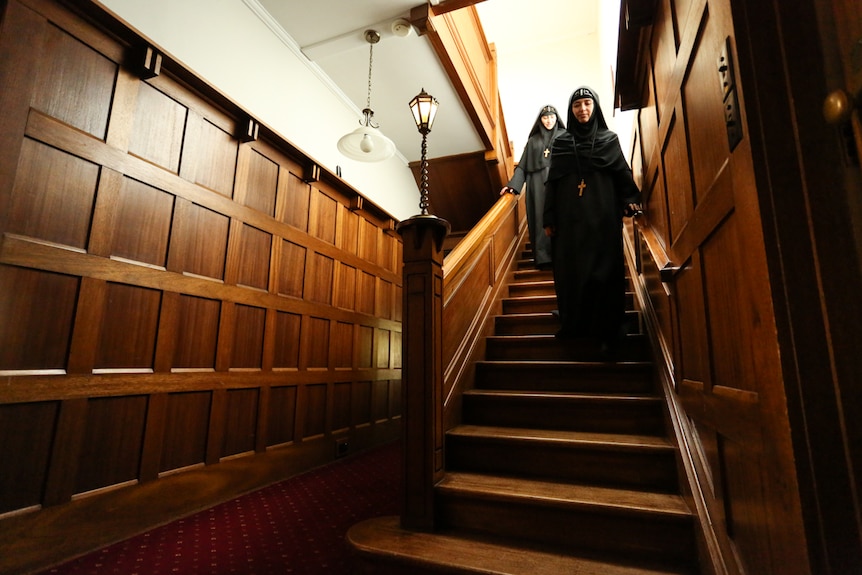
x: 562, y: 463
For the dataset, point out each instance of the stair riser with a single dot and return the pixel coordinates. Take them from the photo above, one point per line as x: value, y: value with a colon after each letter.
x: 531, y: 289
x: 547, y: 324
x: 531, y: 348
x: 528, y: 305
x: 554, y: 377
x: 645, y: 469
x: 597, y: 417
x: 616, y: 532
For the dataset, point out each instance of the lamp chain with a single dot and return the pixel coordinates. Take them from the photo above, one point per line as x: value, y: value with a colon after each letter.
x: 370, y: 63
x: 423, y: 201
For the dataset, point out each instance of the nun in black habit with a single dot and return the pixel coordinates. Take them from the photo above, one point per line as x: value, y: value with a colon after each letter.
x: 588, y: 192
x: 533, y: 169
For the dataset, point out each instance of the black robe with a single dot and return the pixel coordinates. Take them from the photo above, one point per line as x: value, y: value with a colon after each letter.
x: 589, y: 272
x: 533, y: 170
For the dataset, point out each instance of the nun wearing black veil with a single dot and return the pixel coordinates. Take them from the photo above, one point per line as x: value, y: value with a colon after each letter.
x: 533, y: 169
x: 588, y: 192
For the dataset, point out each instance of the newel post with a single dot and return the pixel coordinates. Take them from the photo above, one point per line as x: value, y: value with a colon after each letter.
x: 422, y: 367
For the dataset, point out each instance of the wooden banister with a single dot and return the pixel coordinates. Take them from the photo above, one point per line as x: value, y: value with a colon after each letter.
x: 446, y: 306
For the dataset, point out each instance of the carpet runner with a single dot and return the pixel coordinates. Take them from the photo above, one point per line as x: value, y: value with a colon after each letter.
x: 296, y: 526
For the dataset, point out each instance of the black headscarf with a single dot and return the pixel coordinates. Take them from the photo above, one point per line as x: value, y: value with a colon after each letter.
x: 540, y: 138
x: 588, y: 147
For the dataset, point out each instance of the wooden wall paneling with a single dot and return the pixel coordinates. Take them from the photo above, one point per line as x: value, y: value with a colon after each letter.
x: 263, y: 411
x: 127, y: 340
x: 383, y: 298
x: 154, y: 436
x: 254, y: 256
x: 316, y: 342
x: 158, y: 142
x: 66, y: 451
x: 28, y: 431
x: 361, y: 404
x: 314, y: 402
x: 227, y: 335
x: 296, y: 205
x: 216, y: 429
x: 395, y: 359
x: 321, y: 216
x: 166, y: 337
x: 240, y: 424
x: 21, y: 34
x: 113, y: 438
x: 89, y: 318
x: 349, y: 231
x: 342, y: 345
x: 107, y: 205
x: 663, y: 56
x: 365, y: 347
x: 53, y: 196
x: 75, y: 83
x: 197, y: 331
x: 281, y: 420
x: 345, y: 294
x: 368, y: 240
x: 342, y: 406
x: 321, y: 279
x: 269, y: 335
x: 380, y: 398
x: 44, y: 304
x: 382, y: 348
x: 677, y: 175
x: 142, y: 224
x: 365, y: 294
x: 292, y: 269
x: 165, y: 220
x: 215, y: 157
x: 247, y: 347
x: 202, y: 241
x: 261, y: 186
x: 287, y: 341
x: 186, y: 430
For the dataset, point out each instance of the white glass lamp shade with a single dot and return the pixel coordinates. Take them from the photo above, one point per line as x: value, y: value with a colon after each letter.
x: 366, y: 144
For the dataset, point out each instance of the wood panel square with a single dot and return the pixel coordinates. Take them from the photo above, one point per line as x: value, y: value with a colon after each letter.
x: 26, y: 433
x: 240, y: 422
x: 39, y: 308
x: 214, y: 155
x: 315, y: 338
x: 282, y: 415
x: 74, y: 83
x: 111, y: 448
x: 255, y: 248
x: 341, y: 399
x: 262, y: 184
x: 291, y: 269
x: 159, y: 125
x: 129, y: 324
x: 287, y: 333
x: 197, y: 333
x: 248, y: 337
x: 143, y: 223
x: 186, y: 426
x: 53, y: 195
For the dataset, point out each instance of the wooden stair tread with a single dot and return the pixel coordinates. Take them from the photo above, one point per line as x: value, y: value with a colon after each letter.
x: 557, y: 363
x: 560, y: 494
x: 450, y: 553
x: 560, y: 435
x: 563, y: 395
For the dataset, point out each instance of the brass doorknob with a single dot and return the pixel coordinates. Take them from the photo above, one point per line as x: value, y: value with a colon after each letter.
x: 838, y: 107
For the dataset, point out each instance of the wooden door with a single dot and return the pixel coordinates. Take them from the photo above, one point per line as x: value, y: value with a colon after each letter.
x: 717, y: 321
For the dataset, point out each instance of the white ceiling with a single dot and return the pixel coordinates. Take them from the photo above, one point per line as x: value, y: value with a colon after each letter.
x: 536, y: 42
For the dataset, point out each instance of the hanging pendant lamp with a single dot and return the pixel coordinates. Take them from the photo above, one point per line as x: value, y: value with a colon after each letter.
x: 366, y: 143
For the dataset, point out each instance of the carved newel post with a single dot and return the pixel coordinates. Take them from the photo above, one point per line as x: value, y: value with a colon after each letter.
x: 422, y: 367
x: 422, y: 345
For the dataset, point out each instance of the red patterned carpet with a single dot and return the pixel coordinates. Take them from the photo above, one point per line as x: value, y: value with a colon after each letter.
x: 296, y: 526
